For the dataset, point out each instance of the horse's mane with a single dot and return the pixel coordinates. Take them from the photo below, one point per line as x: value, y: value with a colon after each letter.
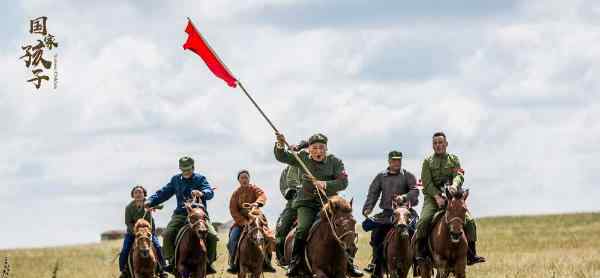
x: 335, y: 205
x: 141, y: 223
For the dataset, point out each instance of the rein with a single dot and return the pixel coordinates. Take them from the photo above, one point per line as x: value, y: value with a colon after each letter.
x: 456, y: 218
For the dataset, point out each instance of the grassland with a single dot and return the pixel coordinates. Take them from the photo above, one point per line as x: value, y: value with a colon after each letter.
x: 529, y: 246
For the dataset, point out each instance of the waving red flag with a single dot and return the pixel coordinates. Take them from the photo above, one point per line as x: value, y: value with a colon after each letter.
x: 196, y: 43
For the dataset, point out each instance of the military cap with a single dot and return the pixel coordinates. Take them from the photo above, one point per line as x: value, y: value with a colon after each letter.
x: 395, y: 155
x: 317, y: 138
x: 186, y: 163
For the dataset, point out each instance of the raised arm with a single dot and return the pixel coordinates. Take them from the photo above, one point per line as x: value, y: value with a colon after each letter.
x: 341, y: 179
x: 206, y: 189
x: 162, y: 194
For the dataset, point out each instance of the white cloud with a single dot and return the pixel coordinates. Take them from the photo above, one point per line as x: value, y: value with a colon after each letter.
x: 512, y: 85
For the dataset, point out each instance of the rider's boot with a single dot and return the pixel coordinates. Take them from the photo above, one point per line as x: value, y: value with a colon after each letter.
x: 210, y: 269
x: 377, y: 271
x: 421, y: 250
x: 297, y: 258
x: 280, y: 251
x: 124, y: 274
x: 353, y: 270
x: 472, y: 257
x: 267, y: 266
x: 371, y: 266
x: 233, y: 266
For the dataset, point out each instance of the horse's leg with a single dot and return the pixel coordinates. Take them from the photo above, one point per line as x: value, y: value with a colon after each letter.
x: 460, y: 268
x: 443, y: 272
x: 404, y: 269
x: 426, y: 270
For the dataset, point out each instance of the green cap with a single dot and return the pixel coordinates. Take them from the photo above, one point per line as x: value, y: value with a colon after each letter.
x: 395, y: 155
x: 186, y: 163
x: 317, y: 138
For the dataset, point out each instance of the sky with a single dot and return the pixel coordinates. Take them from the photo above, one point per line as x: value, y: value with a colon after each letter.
x: 510, y: 83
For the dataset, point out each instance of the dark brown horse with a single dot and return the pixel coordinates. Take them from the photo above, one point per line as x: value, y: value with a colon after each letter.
x: 144, y: 260
x: 192, y: 255
x: 448, y: 240
x: 332, y: 241
x: 397, y: 247
x: 254, y: 247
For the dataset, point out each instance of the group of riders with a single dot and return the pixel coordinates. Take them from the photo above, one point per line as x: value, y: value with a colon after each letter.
x: 304, y: 193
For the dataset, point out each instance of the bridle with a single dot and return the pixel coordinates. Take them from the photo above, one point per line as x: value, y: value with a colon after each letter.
x: 340, y: 238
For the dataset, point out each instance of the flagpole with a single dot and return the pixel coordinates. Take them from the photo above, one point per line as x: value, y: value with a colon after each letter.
x: 310, y: 175
x: 320, y: 192
x: 276, y: 131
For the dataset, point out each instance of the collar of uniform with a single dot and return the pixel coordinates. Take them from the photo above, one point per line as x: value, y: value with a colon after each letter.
x: 387, y: 172
x: 442, y: 156
x: 182, y: 178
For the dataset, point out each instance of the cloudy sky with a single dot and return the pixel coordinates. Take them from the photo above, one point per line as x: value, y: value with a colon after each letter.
x: 511, y: 83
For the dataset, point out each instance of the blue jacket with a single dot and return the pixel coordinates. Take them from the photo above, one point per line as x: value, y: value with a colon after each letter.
x: 182, y: 188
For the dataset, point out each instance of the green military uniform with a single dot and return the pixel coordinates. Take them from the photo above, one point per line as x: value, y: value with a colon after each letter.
x: 133, y: 213
x: 307, y: 202
x: 289, y: 183
x: 438, y: 170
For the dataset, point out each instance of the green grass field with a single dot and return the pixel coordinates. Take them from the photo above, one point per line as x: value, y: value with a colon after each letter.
x: 531, y: 246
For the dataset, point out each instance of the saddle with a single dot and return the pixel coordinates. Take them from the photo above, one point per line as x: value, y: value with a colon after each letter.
x: 311, y: 231
x: 436, y: 218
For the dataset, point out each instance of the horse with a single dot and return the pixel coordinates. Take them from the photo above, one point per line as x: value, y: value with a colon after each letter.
x: 144, y: 259
x: 253, y: 248
x: 192, y: 255
x: 397, y: 244
x: 448, y: 241
x: 331, y: 242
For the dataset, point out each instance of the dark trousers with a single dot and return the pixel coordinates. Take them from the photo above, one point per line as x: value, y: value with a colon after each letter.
x: 377, y: 237
x: 234, y: 238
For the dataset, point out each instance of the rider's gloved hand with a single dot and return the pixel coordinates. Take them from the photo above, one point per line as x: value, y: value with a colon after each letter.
x: 440, y: 200
x: 290, y: 194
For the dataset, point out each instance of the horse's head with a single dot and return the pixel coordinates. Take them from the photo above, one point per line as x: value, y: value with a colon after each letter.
x: 456, y: 212
x: 340, y: 213
x: 254, y: 227
x: 197, y: 220
x: 143, y: 238
x: 401, y: 214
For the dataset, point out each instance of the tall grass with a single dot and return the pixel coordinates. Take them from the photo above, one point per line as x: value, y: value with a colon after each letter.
x: 6, y: 269
x: 562, y: 246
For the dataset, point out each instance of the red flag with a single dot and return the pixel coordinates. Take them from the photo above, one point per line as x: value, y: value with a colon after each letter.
x: 196, y: 43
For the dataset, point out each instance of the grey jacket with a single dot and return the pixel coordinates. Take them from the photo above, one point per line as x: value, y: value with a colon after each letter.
x: 388, y: 186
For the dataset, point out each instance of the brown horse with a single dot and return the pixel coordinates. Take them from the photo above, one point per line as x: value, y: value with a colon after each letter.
x: 144, y: 260
x: 192, y: 255
x: 448, y: 240
x: 331, y: 242
x: 397, y: 247
x: 254, y: 247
